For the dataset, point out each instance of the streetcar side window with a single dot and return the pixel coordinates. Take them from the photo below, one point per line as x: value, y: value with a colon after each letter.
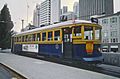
x: 44, y: 36
x: 22, y: 38
x: 33, y: 37
x: 50, y: 36
x: 57, y: 35
x: 26, y: 38
x: 16, y: 39
x: 38, y: 37
x: 29, y: 38
x: 19, y: 39
x: 77, y: 31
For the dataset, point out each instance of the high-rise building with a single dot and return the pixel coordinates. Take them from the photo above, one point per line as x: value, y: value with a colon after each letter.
x: 76, y: 10
x: 95, y: 7
x: 48, y: 13
x: 60, y: 11
x: 65, y: 9
x: 36, y: 16
x: 55, y: 11
x: 45, y: 12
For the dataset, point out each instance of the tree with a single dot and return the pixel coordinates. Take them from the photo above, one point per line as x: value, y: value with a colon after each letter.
x: 5, y: 28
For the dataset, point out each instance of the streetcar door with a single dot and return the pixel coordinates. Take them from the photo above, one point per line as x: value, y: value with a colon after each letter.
x: 67, y: 42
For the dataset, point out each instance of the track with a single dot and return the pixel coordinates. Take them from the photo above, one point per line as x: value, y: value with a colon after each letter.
x: 104, y: 69
x: 109, y: 70
x: 8, y: 73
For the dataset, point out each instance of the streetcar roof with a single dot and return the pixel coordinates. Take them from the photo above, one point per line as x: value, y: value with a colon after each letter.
x: 55, y: 25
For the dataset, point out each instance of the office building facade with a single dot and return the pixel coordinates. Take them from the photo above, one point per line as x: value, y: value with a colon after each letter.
x: 76, y: 10
x: 45, y: 12
x: 55, y: 11
x: 65, y: 9
x: 36, y: 16
x: 110, y: 32
x: 89, y: 8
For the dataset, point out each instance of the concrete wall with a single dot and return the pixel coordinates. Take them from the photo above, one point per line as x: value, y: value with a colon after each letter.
x: 112, y: 58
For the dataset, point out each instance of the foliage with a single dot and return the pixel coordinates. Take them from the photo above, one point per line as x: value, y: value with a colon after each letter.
x: 5, y: 28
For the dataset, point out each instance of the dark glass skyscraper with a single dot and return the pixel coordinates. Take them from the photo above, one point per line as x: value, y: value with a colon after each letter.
x: 95, y: 7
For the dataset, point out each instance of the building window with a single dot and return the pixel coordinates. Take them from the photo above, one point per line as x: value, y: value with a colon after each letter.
x: 105, y: 34
x: 113, y: 33
x: 113, y: 40
x: 113, y: 20
x: 103, y: 41
x: 105, y: 21
x: 116, y: 40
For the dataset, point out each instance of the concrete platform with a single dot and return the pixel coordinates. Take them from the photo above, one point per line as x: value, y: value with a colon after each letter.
x: 39, y: 69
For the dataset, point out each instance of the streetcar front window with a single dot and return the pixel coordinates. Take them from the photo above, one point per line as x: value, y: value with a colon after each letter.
x: 88, y: 33
x: 77, y: 31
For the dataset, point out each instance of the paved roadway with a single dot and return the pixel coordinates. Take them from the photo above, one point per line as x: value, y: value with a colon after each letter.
x: 39, y: 69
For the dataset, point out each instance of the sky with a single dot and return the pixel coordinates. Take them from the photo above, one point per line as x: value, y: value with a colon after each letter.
x: 18, y: 9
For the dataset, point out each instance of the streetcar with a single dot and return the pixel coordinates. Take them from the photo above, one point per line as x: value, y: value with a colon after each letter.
x: 79, y: 40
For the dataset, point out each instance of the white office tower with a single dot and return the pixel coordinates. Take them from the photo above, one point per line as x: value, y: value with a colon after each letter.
x: 36, y: 16
x: 76, y: 10
x: 65, y: 9
x: 55, y: 11
x: 45, y: 12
